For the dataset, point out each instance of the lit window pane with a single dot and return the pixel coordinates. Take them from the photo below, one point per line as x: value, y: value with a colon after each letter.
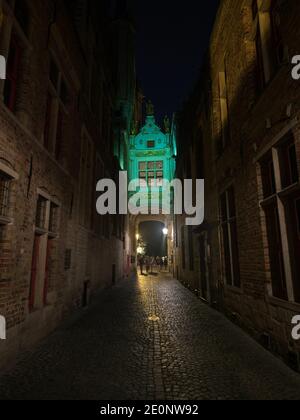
x: 152, y: 182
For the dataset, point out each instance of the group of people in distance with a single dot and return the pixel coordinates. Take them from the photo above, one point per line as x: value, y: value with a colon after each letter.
x: 149, y: 264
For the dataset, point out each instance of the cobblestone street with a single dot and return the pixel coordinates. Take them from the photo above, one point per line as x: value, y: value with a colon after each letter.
x: 113, y: 351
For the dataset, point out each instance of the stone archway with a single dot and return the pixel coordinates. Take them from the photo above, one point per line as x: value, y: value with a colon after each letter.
x: 166, y: 220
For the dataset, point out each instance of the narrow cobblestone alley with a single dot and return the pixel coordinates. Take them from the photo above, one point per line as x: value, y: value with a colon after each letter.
x: 118, y: 349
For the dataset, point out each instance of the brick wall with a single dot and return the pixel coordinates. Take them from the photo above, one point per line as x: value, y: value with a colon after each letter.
x: 37, y: 170
x: 258, y: 121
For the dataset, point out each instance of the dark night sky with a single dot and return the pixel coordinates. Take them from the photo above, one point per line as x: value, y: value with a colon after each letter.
x: 172, y: 38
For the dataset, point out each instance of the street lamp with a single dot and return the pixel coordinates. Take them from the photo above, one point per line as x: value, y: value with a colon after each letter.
x: 165, y: 231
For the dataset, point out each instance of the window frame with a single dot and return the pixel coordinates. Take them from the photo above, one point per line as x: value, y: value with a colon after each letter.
x: 86, y: 191
x: 11, y: 176
x: 281, y: 199
x: 12, y: 31
x: 155, y: 170
x: 224, y: 139
x: 56, y: 108
x: 267, y: 43
x: 230, y: 248
x: 41, y: 252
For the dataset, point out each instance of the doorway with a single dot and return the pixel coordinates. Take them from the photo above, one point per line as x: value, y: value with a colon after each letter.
x: 155, y: 242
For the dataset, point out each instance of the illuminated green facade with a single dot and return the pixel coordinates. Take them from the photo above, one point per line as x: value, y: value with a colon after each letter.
x: 152, y: 155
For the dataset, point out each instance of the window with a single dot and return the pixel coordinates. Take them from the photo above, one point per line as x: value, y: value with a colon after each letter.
x: 41, y: 213
x: 277, y: 44
x: 12, y: 73
x: 46, y: 230
x: 53, y: 218
x: 86, y: 182
x: 4, y: 194
x: 229, y: 238
x: 59, y: 134
x: 15, y: 29
x: 268, y: 176
x: 151, y: 144
x: 270, y: 50
x: 152, y: 173
x: 288, y: 163
x: 292, y: 208
x: 225, y: 132
x: 7, y: 178
x: 260, y: 77
x: 47, y: 216
x: 275, y: 251
x: 57, y: 102
x: 281, y: 198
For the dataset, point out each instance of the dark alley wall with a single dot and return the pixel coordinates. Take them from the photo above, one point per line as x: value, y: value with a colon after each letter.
x: 240, y: 131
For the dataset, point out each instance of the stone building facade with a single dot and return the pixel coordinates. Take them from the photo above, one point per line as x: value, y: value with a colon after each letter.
x: 243, y: 131
x: 59, y: 106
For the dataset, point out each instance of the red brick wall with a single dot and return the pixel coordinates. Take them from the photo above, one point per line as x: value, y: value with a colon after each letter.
x: 21, y: 148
